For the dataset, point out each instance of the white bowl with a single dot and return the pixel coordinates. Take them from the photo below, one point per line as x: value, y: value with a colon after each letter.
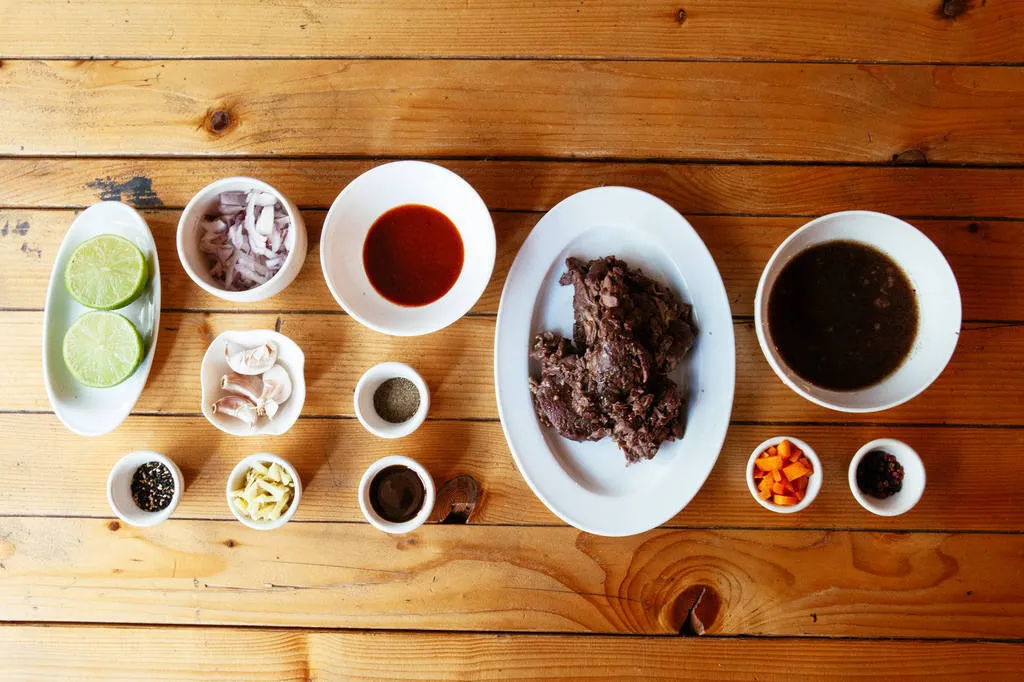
x: 195, y: 263
x: 813, y: 481
x: 367, y: 198
x: 367, y: 386
x: 215, y: 366
x: 938, y: 302
x: 913, y: 478
x: 364, y: 495
x: 119, y: 488
x: 237, y: 477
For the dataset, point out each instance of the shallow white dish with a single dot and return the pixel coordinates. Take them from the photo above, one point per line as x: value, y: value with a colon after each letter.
x: 215, y: 366
x: 913, y: 478
x: 381, y: 523
x: 119, y: 488
x: 195, y: 263
x: 813, y: 481
x: 367, y: 386
x: 367, y: 198
x: 588, y: 484
x: 95, y: 411
x: 938, y: 302
x: 237, y: 477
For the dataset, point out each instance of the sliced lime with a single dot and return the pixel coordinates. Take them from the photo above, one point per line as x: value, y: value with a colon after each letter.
x: 106, y: 272
x: 102, y: 349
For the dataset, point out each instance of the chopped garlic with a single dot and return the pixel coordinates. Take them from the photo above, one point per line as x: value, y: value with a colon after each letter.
x: 267, y: 493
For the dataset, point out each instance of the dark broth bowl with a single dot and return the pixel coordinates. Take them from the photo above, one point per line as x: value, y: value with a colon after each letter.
x: 938, y: 303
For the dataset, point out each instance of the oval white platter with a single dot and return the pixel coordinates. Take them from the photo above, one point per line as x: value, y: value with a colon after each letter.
x: 95, y: 411
x: 588, y: 484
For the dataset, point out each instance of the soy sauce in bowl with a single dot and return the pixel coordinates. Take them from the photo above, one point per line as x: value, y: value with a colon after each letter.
x: 843, y: 315
x: 413, y: 255
x: 397, y: 494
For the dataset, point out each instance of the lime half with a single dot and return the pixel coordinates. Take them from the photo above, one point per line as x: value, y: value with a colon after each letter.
x: 106, y: 272
x: 102, y: 349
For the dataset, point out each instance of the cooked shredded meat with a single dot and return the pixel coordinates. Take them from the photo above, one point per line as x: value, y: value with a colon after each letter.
x: 610, y: 380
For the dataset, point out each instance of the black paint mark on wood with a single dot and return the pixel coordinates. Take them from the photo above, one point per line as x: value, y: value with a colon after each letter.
x: 814, y: 617
x: 30, y: 251
x: 20, y: 228
x: 910, y: 157
x: 137, y: 190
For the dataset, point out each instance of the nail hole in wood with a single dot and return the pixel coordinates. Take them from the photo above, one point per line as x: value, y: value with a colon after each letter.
x: 954, y: 9
x: 457, y: 501
x: 681, y: 16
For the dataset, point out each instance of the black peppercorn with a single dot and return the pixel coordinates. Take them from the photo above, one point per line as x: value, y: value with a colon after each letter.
x: 879, y: 475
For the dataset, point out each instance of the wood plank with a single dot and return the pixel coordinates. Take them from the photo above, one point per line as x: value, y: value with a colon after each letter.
x: 332, y: 454
x: 822, y: 583
x: 644, y: 110
x: 981, y: 385
x: 987, y: 257
x: 908, y: 30
x: 32, y: 652
x: 759, y: 189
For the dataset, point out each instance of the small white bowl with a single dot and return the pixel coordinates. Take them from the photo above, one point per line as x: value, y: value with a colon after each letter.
x: 367, y: 386
x: 215, y: 366
x: 813, y: 481
x: 367, y: 198
x: 364, y: 495
x: 119, y: 488
x: 195, y: 263
x: 938, y: 302
x: 237, y: 477
x: 913, y: 478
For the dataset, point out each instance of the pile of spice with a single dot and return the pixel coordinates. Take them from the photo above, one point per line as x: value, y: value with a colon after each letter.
x: 152, y: 487
x: 880, y: 475
x: 396, y: 400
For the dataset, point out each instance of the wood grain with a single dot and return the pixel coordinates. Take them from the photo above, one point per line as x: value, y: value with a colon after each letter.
x: 819, y: 583
x: 987, y: 258
x: 758, y: 189
x: 907, y: 30
x: 189, y: 653
x: 331, y: 455
x: 637, y: 110
x: 981, y: 385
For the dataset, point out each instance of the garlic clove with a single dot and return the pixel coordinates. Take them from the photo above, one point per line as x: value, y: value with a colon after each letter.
x: 277, y: 388
x: 251, y: 361
x: 236, y: 406
x: 249, y: 387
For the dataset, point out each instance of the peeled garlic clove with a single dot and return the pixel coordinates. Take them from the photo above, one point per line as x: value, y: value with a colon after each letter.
x: 238, y: 407
x: 249, y: 387
x: 268, y: 408
x: 277, y: 388
x: 251, y: 361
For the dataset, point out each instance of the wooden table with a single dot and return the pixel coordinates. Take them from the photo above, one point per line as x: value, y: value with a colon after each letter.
x: 748, y: 116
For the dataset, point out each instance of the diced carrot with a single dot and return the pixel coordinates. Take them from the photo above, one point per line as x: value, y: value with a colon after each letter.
x: 784, y: 500
x: 795, y: 455
x: 765, y: 484
x: 784, y: 449
x: 807, y: 463
x: 795, y: 470
x: 779, y: 489
x: 768, y: 463
x: 773, y: 451
x: 801, y: 484
x: 798, y: 495
x: 777, y: 475
x: 765, y: 494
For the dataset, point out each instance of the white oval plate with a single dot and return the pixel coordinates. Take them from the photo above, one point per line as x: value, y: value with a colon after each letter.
x: 588, y: 484
x: 95, y: 411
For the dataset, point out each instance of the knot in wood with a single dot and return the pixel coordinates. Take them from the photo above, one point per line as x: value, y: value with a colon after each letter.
x: 910, y: 157
x: 220, y: 120
x: 695, y: 610
x: 681, y: 16
x: 457, y: 500
x: 114, y: 525
x: 953, y: 9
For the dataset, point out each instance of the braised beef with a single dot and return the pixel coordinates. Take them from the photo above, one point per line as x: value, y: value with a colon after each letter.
x: 629, y: 331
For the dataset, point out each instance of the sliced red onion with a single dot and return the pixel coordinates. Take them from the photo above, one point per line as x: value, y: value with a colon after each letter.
x: 245, y: 241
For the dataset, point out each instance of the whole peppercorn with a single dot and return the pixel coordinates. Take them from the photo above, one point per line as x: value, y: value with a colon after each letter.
x: 879, y: 474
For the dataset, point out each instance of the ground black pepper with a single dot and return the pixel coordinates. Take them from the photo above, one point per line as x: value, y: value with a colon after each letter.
x: 880, y: 475
x: 396, y: 400
x: 152, y: 487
